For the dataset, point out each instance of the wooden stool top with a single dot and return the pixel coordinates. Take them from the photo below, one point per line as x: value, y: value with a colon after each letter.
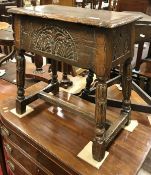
x: 107, y: 19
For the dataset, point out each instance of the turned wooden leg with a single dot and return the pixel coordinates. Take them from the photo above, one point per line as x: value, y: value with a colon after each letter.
x: 38, y: 60
x: 148, y: 86
x: 83, y: 3
x: 139, y: 56
x: 149, y: 51
x: 20, y: 77
x: 127, y: 86
x: 95, y: 2
x: 33, y: 2
x: 54, y: 79
x: 98, y: 148
x: 2, y: 158
x: 142, y: 82
x: 65, y: 82
x: 100, y: 4
x: 89, y: 81
x: 20, y: 3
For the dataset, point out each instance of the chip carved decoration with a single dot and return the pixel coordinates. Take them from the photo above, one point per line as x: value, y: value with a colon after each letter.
x: 53, y: 40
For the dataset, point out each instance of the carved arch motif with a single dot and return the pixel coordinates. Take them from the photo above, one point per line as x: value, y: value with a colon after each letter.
x: 54, y: 40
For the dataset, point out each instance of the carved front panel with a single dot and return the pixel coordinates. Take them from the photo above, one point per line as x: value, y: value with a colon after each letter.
x: 76, y: 44
x: 51, y: 39
x: 72, y: 43
x: 54, y: 40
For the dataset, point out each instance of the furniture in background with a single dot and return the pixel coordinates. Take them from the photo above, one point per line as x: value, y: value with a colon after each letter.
x: 143, y: 27
x: 7, y: 50
x: 59, y: 2
x: 92, y: 3
x: 4, y: 16
x: 132, y: 5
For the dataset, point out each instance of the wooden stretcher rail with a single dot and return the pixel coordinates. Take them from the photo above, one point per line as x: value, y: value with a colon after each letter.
x: 66, y: 105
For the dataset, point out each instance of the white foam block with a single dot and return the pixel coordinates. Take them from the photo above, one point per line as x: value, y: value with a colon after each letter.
x: 119, y: 87
x: 135, y: 71
x: 2, y: 72
x: 28, y: 110
x: 149, y: 118
x: 132, y: 125
x: 86, y: 155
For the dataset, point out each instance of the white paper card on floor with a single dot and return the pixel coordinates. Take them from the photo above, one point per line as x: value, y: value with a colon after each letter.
x: 86, y: 155
x: 119, y: 87
x: 149, y: 118
x: 132, y: 125
x: 2, y: 72
x: 28, y: 111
